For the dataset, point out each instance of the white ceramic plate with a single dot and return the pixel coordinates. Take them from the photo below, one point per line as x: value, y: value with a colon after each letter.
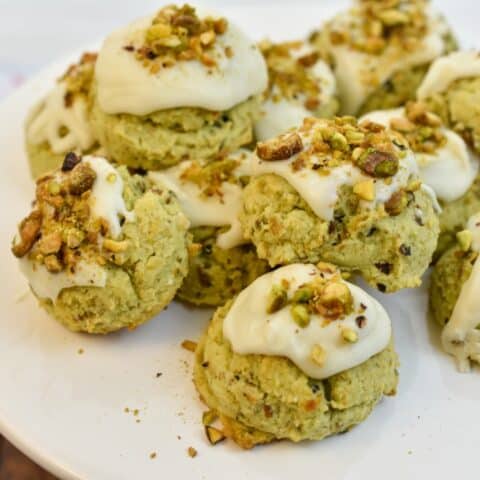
x: 67, y: 410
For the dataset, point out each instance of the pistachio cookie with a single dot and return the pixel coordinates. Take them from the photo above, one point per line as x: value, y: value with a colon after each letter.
x: 222, y: 262
x: 455, y: 215
x: 301, y: 84
x: 300, y: 354
x: 99, y: 250
x: 452, y: 90
x: 176, y: 84
x: 382, y: 50
x: 445, y: 162
x: 60, y: 123
x: 344, y: 192
x: 454, y: 297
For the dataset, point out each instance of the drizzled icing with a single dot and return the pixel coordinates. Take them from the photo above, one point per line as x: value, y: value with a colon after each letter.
x: 450, y: 170
x: 321, y: 191
x: 105, y: 202
x: 51, y: 116
x: 106, y: 199
x: 461, y: 335
x: 359, y: 74
x: 49, y: 285
x: 445, y: 70
x: 251, y: 330
x: 215, y: 210
x: 125, y: 86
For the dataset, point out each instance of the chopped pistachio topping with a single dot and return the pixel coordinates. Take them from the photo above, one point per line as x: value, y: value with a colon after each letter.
x: 277, y: 299
x: 322, y: 144
x: 280, y: 148
x: 464, y: 239
x: 214, y: 435
x: 365, y: 190
x: 60, y: 231
x: 290, y: 75
x: 326, y: 295
x: 349, y: 335
x: 300, y: 314
x: 377, y: 24
x: 318, y: 355
x: 397, y: 203
x: 78, y: 78
x: 115, y: 246
x: 421, y: 128
x: 333, y: 300
x: 209, y: 417
x: 414, y: 185
x: 178, y: 34
x: 210, y: 177
x: 303, y: 294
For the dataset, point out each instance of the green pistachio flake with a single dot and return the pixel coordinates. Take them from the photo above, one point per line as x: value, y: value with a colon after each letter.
x: 277, y: 299
x: 393, y: 17
x: 338, y: 141
x: 54, y: 188
x: 378, y: 164
x: 209, y: 417
x: 464, y: 239
x: 354, y: 137
x: 300, y: 315
x: 349, y: 335
x: 303, y: 294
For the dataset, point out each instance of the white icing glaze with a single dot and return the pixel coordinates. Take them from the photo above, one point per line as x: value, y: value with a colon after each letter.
x: 321, y: 191
x: 49, y: 285
x: 277, y: 116
x: 250, y: 330
x: 209, y: 211
x: 359, y: 74
x: 445, y: 70
x: 106, y: 200
x: 450, y: 171
x: 433, y: 197
x: 125, y: 86
x: 460, y: 336
x: 49, y: 116
x: 473, y: 225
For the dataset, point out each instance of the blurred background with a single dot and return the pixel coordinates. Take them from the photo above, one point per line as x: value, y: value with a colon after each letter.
x: 33, y: 33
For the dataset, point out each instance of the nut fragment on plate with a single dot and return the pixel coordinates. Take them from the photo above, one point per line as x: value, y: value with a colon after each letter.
x: 214, y: 435
x: 192, y: 452
x: 189, y: 345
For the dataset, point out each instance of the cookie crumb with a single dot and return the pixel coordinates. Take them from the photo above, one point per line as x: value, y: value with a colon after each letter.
x: 192, y: 452
x: 189, y: 345
x: 214, y: 435
x: 80, y: 351
x: 153, y: 455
